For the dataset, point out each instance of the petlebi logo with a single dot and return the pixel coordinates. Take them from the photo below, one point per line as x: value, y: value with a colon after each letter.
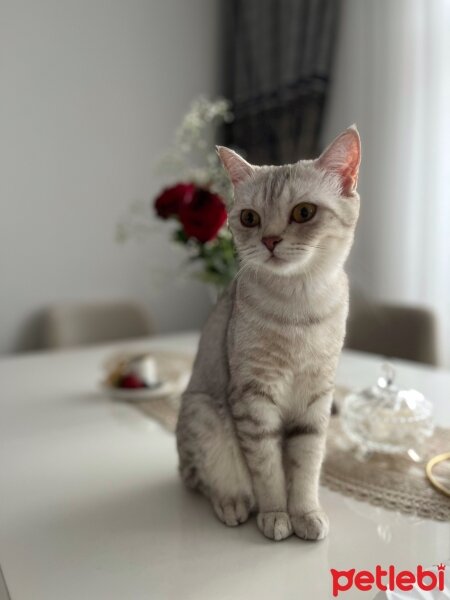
x: 388, y: 579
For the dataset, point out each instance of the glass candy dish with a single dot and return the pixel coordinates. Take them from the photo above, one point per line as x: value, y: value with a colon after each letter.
x: 384, y: 418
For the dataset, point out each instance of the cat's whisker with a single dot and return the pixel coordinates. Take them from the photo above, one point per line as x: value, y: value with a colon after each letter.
x: 241, y: 270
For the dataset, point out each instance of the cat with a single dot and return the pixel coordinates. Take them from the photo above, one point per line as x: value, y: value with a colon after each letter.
x: 253, y: 419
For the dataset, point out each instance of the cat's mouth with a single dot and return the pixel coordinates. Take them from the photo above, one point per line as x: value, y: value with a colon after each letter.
x: 275, y: 260
x: 280, y: 265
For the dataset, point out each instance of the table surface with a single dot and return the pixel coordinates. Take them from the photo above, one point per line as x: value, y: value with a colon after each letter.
x: 91, y: 506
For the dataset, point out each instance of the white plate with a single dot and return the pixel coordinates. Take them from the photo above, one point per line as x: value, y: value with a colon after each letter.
x: 174, y: 368
x: 141, y: 394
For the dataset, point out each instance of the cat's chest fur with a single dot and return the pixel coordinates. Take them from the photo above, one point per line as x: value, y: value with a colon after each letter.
x: 288, y: 339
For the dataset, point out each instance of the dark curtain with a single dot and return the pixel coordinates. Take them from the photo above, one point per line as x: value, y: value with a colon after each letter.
x: 278, y: 63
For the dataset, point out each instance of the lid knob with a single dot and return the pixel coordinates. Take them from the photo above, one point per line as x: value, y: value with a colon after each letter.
x: 387, y: 375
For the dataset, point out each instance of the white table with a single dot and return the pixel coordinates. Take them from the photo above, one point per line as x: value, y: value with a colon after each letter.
x: 91, y: 507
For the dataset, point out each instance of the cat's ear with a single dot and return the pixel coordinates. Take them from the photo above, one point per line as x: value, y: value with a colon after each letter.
x: 238, y: 169
x: 343, y: 156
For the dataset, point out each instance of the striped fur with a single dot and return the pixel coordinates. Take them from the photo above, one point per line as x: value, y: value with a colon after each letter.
x: 252, y: 426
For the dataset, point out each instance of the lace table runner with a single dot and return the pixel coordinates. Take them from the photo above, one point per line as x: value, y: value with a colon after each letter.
x: 390, y: 481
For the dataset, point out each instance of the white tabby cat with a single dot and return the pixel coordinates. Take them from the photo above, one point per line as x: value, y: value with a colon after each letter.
x: 251, y: 430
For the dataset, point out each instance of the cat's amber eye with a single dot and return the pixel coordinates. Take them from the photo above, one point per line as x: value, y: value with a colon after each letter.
x: 303, y: 212
x: 249, y: 218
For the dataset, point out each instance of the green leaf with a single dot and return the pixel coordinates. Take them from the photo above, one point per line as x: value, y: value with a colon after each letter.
x: 180, y: 236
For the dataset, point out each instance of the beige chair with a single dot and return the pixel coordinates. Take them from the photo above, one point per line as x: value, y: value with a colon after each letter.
x: 393, y: 331
x: 68, y: 325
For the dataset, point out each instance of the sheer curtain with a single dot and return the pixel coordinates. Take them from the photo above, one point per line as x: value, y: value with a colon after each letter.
x: 392, y: 77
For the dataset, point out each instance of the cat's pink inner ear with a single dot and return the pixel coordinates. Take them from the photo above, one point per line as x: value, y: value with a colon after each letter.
x: 238, y: 169
x: 343, y: 156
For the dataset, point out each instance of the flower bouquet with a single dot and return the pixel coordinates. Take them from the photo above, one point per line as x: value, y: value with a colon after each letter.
x: 195, y: 201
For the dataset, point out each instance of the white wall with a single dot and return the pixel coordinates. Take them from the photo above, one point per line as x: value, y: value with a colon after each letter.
x: 91, y: 91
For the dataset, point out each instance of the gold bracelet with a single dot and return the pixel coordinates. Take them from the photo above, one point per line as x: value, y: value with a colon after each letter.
x: 429, y: 471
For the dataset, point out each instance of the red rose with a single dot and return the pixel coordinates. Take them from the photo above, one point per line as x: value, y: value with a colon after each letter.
x: 203, y: 216
x: 169, y: 202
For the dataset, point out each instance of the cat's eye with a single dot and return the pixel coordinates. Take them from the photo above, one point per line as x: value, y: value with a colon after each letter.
x: 249, y: 218
x: 303, y: 212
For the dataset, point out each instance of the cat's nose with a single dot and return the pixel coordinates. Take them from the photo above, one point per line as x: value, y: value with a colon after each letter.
x: 271, y: 241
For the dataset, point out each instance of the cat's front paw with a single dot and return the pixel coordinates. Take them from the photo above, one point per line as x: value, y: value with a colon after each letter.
x: 274, y: 525
x: 232, y: 511
x: 313, y: 525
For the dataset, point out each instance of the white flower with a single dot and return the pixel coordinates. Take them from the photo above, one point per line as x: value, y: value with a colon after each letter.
x: 192, y: 156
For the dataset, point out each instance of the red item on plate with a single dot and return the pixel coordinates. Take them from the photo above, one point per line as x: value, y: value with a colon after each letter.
x: 131, y: 382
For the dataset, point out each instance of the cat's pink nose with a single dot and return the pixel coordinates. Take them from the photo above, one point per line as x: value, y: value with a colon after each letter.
x: 271, y: 241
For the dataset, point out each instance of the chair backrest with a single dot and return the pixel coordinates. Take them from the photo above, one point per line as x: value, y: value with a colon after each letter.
x: 394, y: 331
x: 68, y: 325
